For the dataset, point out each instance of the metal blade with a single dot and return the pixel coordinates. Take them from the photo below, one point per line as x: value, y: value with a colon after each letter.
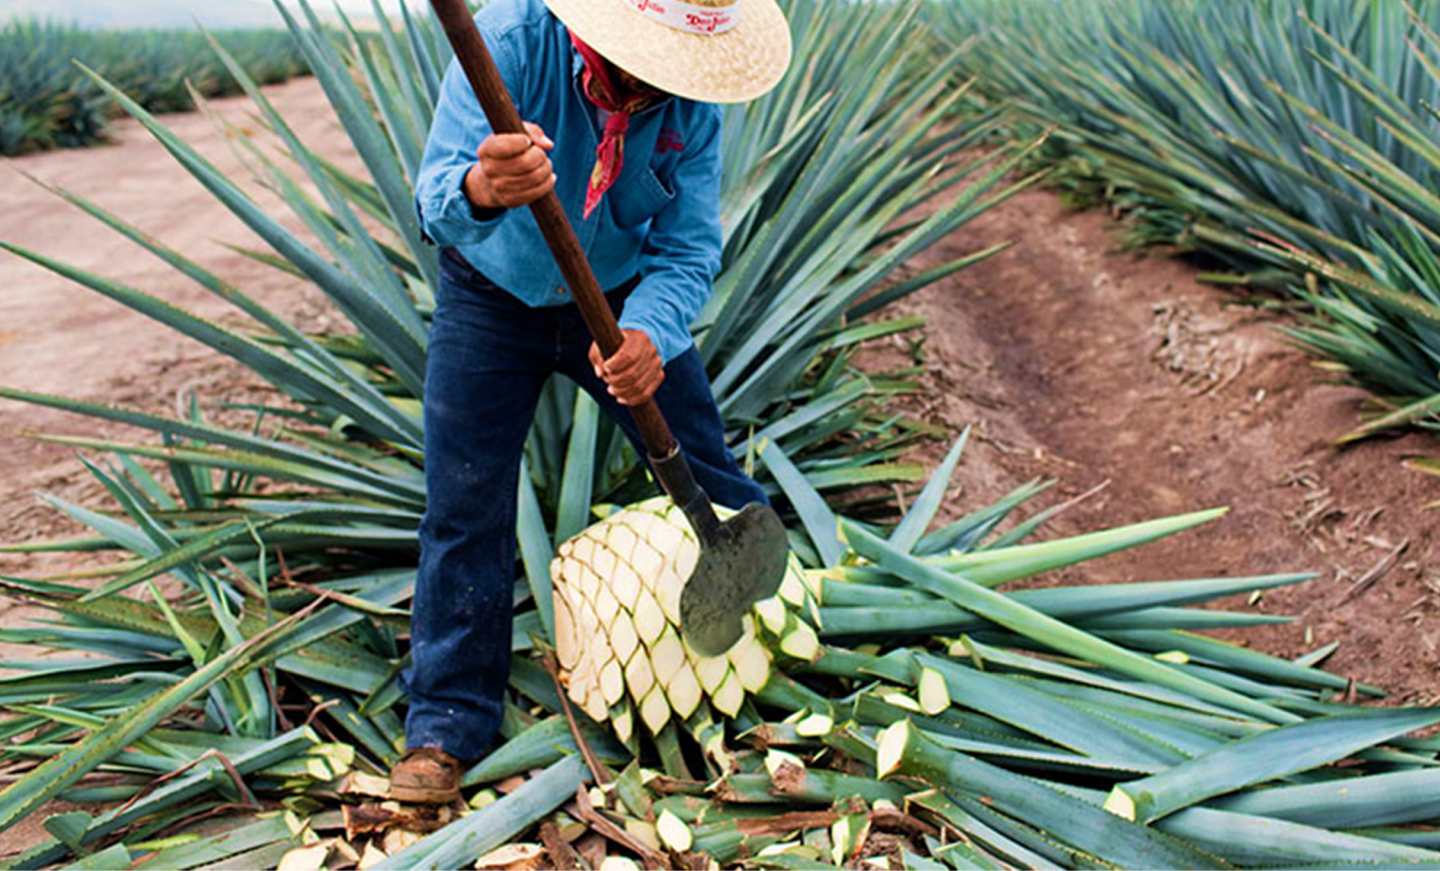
x: 741, y: 565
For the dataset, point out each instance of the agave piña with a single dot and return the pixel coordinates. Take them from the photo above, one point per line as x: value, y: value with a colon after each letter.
x: 617, y: 589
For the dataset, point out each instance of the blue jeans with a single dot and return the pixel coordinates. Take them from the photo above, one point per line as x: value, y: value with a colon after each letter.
x: 490, y: 355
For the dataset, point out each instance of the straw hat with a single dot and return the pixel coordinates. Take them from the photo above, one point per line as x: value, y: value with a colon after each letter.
x: 716, y: 51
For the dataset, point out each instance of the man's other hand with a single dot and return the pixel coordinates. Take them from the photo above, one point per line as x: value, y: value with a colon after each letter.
x: 634, y: 373
x: 513, y: 170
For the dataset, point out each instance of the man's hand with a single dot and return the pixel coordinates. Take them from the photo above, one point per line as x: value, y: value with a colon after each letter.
x: 634, y: 373
x: 513, y: 171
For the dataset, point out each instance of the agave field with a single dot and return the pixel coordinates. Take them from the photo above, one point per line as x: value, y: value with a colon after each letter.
x: 221, y: 680
x: 46, y: 101
x: 1292, y: 139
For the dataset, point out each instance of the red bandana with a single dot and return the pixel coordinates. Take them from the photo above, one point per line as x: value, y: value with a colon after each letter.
x: 605, y: 89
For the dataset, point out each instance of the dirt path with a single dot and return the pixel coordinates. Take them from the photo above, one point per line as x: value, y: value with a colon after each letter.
x: 56, y: 337
x: 1087, y: 365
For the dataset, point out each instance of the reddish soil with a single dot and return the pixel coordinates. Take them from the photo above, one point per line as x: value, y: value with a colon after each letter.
x: 1078, y: 362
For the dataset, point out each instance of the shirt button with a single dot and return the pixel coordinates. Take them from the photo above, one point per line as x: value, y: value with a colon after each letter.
x: 560, y: 290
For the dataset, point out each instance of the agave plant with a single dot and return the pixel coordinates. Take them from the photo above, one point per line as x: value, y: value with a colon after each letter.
x: 1292, y: 138
x: 617, y: 623
x: 48, y: 103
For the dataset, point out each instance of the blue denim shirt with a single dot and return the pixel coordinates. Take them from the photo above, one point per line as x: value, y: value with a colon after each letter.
x: 661, y: 219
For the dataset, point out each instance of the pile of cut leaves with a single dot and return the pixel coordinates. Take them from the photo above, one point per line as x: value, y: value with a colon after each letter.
x: 234, y: 699
x: 942, y: 723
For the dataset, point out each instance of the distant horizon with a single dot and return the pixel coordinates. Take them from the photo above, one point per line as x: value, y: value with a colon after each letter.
x: 170, y: 14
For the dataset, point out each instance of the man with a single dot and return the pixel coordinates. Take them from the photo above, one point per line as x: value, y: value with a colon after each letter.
x: 620, y: 125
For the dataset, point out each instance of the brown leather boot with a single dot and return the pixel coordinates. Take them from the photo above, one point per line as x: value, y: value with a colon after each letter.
x: 427, y: 775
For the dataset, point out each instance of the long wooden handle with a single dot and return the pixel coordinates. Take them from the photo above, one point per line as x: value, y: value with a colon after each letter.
x: 495, y: 99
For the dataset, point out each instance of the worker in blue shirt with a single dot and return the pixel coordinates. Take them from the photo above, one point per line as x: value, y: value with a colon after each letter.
x: 619, y: 99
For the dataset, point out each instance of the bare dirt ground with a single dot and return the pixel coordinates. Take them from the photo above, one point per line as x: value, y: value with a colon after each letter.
x: 57, y: 337
x: 1077, y: 362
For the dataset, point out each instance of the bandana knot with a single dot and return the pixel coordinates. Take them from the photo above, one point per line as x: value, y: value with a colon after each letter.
x: 604, y: 87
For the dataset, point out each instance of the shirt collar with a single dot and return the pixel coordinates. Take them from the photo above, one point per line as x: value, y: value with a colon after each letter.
x: 577, y: 63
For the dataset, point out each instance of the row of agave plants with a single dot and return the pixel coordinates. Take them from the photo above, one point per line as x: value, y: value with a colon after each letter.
x: 46, y: 102
x: 240, y: 692
x: 1293, y: 139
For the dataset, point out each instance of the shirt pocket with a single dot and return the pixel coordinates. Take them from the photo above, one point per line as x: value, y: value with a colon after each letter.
x: 637, y: 200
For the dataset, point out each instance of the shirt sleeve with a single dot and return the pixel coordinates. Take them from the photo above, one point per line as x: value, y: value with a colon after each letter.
x: 446, y: 214
x: 682, y: 252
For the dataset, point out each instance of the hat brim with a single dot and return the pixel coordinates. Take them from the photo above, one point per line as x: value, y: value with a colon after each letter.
x: 741, y: 64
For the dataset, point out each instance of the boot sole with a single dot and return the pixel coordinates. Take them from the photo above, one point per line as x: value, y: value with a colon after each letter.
x: 423, y: 795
